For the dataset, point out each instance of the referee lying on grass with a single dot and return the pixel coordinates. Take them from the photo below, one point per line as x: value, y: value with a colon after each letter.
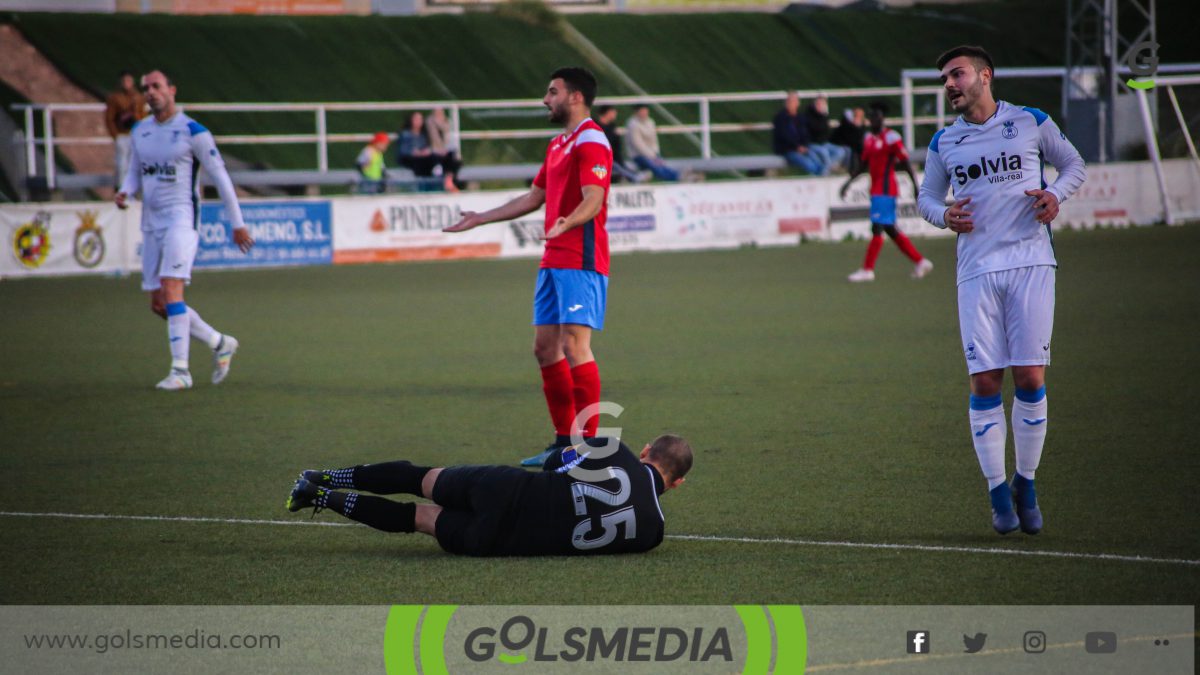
x: 595, y: 497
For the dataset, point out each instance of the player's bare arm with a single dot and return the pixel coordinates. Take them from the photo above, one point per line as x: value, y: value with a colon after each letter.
x: 906, y: 166
x: 527, y: 203
x: 858, y: 171
x: 958, y: 218
x: 593, y: 201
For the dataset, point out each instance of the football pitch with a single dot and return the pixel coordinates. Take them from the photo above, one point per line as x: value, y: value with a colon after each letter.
x: 833, y: 459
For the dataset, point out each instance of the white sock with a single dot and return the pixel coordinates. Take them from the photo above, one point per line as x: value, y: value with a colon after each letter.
x: 177, y: 333
x: 202, y: 331
x: 1029, y: 429
x: 989, y: 433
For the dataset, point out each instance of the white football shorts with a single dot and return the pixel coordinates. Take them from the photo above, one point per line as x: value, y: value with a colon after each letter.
x: 1006, y: 318
x: 169, y: 253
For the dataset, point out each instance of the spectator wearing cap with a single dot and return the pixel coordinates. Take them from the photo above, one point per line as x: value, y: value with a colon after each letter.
x: 371, y: 166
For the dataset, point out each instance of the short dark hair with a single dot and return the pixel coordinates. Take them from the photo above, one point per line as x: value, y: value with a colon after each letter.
x: 639, y: 106
x: 578, y: 79
x: 603, y: 110
x: 672, y: 454
x: 880, y: 106
x: 167, y: 76
x: 124, y: 73
x: 975, y: 53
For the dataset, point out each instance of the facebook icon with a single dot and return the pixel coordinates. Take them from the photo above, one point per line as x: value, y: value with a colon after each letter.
x: 918, y: 642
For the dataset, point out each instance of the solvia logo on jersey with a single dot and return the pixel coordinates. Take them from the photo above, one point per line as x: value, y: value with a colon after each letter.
x: 1000, y: 169
x: 162, y: 170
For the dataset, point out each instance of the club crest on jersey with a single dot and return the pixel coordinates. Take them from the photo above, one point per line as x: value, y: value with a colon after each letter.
x: 600, y: 171
x: 1000, y: 169
x: 1010, y: 130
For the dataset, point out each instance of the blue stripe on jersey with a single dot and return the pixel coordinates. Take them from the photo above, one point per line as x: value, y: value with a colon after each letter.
x: 195, y: 128
x: 933, y: 144
x: 1038, y: 115
x: 195, y: 193
x: 589, y: 246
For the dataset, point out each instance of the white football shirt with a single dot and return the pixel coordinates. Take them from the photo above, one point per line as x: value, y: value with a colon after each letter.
x: 994, y: 163
x: 164, y: 164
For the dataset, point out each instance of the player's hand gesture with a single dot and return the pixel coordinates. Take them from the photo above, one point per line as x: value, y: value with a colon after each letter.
x: 958, y: 218
x: 241, y: 237
x: 470, y: 220
x: 121, y: 200
x: 1046, y: 205
x: 560, y: 226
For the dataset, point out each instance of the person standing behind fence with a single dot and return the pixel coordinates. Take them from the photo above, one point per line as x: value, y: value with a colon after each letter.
x: 437, y: 130
x: 641, y: 135
x: 790, y: 137
x: 849, y: 134
x: 123, y: 108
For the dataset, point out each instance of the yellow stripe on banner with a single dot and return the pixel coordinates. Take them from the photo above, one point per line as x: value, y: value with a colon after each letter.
x: 758, y: 639
x: 791, y: 639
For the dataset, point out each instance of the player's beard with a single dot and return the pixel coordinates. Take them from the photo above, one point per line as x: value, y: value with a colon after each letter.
x: 968, y: 96
x: 558, y: 114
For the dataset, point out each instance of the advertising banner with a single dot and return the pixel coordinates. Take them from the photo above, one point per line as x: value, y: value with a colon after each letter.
x: 48, y: 239
x: 409, y: 227
x: 285, y: 233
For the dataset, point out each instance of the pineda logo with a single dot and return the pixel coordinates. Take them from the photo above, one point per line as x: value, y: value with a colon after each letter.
x: 550, y: 639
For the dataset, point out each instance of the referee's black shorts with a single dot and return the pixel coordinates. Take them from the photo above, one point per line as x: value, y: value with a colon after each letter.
x: 479, y: 508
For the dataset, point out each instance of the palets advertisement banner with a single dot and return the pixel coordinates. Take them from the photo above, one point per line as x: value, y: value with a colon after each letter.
x: 285, y: 233
x: 49, y: 239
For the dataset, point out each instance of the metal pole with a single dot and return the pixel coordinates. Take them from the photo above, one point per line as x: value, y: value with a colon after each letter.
x: 1152, y: 150
x: 48, y: 131
x: 322, y: 141
x: 906, y: 105
x: 941, y: 111
x: 705, y: 130
x: 456, y: 131
x: 30, y: 143
x: 1187, y: 135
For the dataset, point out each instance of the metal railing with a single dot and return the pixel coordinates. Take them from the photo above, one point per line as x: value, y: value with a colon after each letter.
x: 704, y: 130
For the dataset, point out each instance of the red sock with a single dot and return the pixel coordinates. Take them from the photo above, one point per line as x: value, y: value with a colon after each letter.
x: 873, y: 252
x: 557, y: 386
x: 587, y: 392
x: 907, y: 247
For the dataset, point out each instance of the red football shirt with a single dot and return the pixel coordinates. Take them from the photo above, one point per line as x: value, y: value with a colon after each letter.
x: 582, y: 157
x: 881, y: 152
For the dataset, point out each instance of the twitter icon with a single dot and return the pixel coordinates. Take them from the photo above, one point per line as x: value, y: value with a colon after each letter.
x: 974, y: 644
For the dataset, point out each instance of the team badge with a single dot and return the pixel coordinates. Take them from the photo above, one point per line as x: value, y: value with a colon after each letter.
x: 1010, y: 130
x: 89, y: 241
x: 970, y: 351
x: 31, y: 241
x: 600, y: 171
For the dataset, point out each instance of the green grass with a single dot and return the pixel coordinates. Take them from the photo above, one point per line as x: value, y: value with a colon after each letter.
x: 819, y: 411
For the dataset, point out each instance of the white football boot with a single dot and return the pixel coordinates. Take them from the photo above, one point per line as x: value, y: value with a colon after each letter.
x: 861, y: 276
x: 175, y: 381
x: 222, y: 357
x: 922, y: 268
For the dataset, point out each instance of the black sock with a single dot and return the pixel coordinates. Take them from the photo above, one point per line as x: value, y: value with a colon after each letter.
x: 385, y: 478
x: 377, y: 512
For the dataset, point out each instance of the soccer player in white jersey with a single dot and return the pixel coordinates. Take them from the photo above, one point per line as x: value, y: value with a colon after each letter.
x: 992, y: 156
x: 168, y: 149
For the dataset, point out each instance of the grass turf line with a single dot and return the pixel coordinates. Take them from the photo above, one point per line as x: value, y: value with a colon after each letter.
x: 820, y: 411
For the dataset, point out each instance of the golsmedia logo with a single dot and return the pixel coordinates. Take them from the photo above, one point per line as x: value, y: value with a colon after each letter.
x: 511, y: 642
x: 444, y: 639
x: 1000, y: 169
x: 1143, y: 63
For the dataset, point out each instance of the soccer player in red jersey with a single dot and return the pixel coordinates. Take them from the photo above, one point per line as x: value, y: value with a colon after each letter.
x: 572, y: 285
x: 883, y: 152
